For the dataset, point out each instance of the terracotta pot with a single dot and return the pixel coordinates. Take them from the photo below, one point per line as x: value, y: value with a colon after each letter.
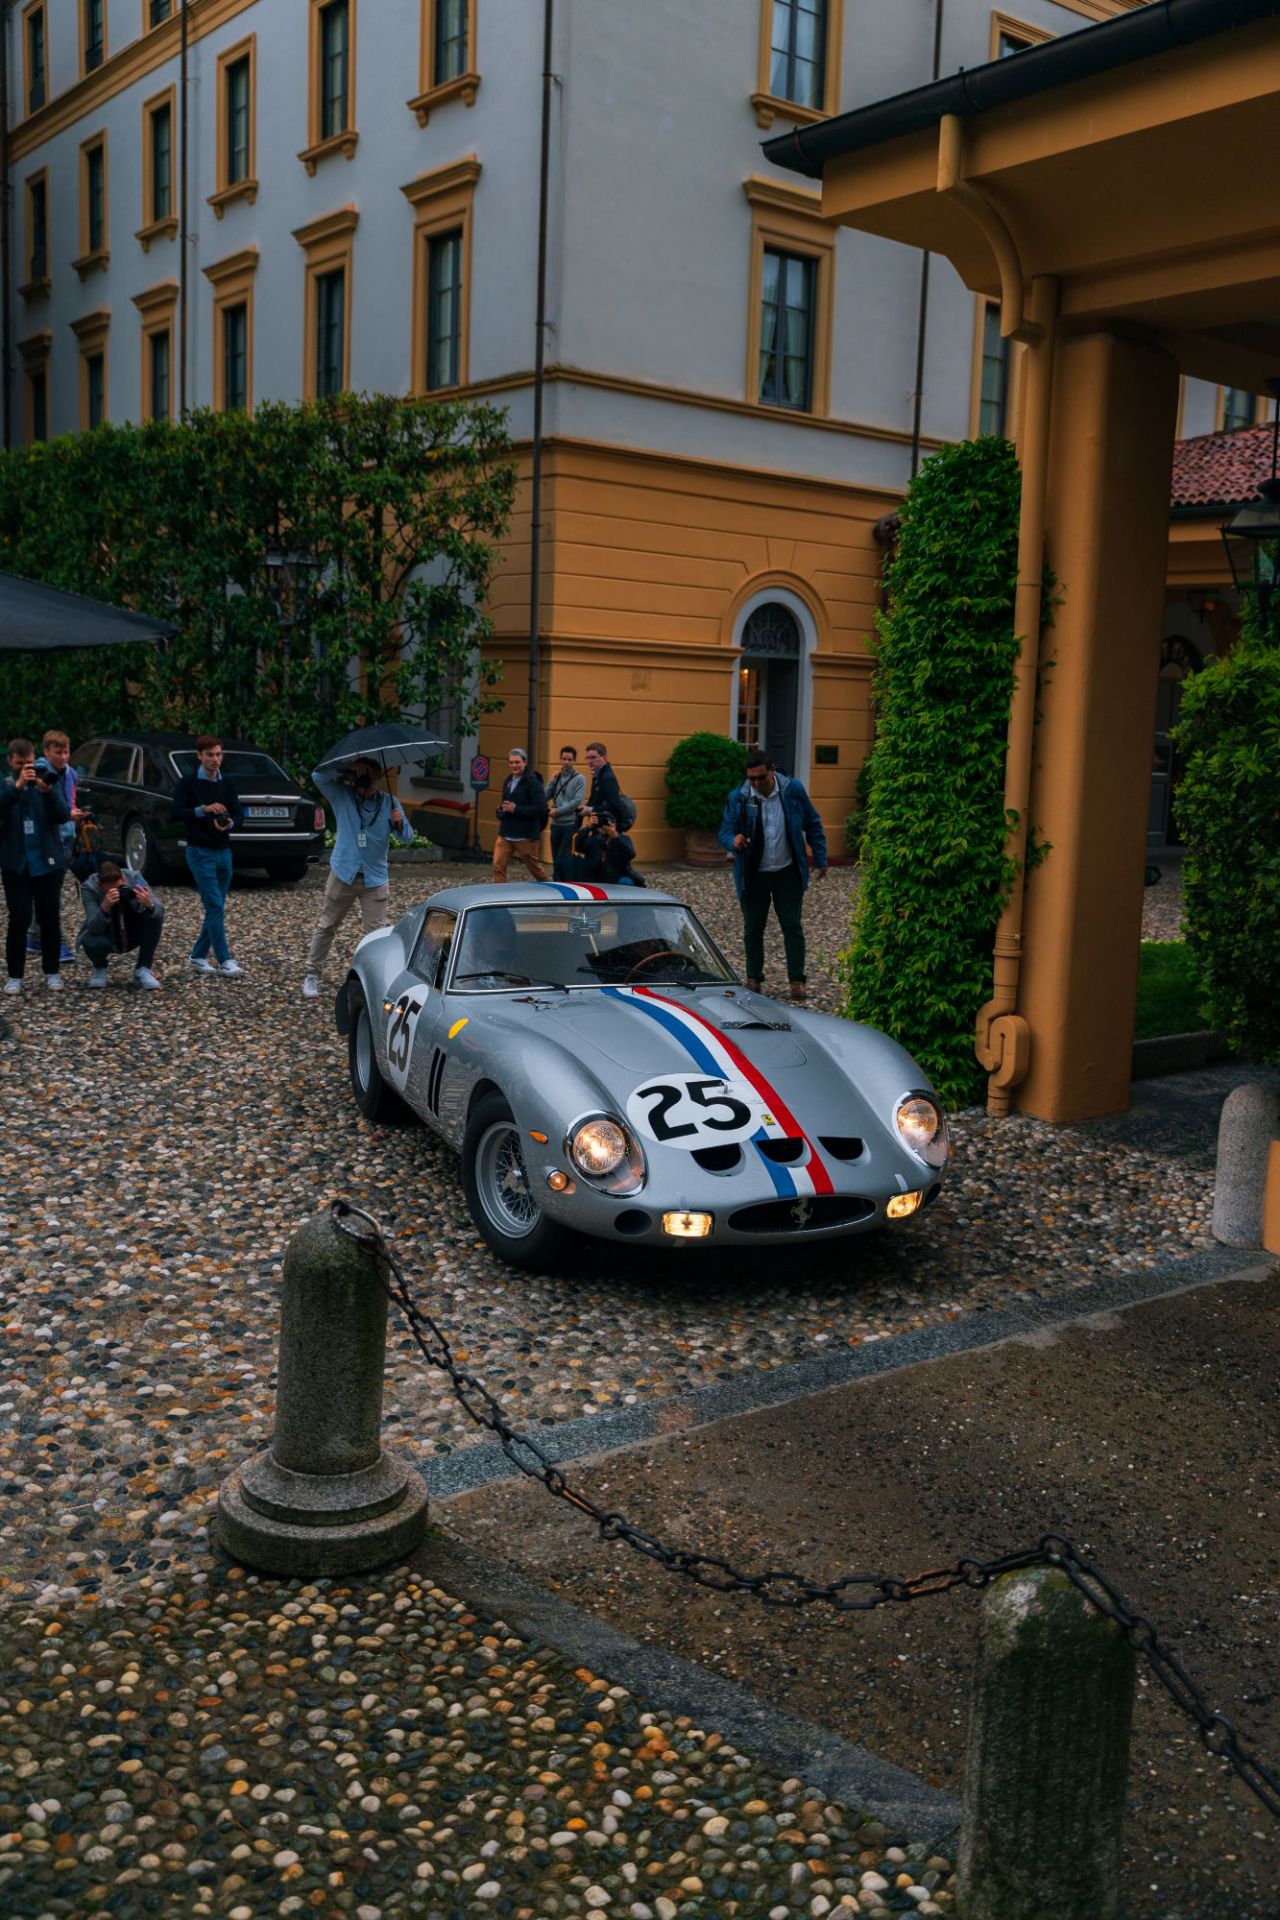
x: 702, y: 849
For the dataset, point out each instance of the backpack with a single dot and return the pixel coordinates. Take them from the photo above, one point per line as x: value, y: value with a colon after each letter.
x: 624, y: 812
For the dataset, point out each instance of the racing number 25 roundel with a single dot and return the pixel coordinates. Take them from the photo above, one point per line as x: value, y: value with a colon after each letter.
x: 695, y: 1110
x: 401, y: 1023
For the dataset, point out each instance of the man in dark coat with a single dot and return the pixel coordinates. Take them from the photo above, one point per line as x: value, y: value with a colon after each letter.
x: 32, y: 862
x: 605, y: 795
x: 767, y: 821
x: 522, y: 814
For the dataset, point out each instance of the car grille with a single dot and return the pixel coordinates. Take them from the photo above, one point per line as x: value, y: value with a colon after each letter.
x: 802, y: 1215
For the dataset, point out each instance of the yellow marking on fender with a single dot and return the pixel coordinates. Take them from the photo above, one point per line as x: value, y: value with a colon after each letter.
x: 457, y: 1026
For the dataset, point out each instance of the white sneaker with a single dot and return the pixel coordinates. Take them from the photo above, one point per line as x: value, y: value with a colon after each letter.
x: 311, y: 986
x: 54, y: 980
x: 143, y: 977
x: 201, y: 965
x: 13, y: 986
x: 98, y: 978
x: 231, y: 970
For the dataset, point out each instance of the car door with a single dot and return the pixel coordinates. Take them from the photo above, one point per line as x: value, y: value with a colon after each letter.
x: 415, y: 1030
x: 114, y: 788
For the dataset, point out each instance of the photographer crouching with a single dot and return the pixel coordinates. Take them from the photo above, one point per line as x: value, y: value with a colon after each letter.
x: 122, y: 915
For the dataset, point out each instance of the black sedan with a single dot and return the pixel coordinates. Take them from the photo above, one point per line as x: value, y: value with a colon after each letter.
x: 128, y: 780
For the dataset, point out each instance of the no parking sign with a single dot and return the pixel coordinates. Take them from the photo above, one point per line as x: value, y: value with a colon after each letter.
x: 480, y: 772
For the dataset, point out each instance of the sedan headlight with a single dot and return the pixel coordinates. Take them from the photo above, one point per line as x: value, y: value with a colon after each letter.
x: 921, y: 1123
x: 598, y: 1148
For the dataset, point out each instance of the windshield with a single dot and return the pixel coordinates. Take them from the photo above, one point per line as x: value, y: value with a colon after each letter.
x: 584, y: 945
x: 245, y: 769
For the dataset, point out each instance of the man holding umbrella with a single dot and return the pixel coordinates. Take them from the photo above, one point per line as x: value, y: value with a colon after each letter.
x: 365, y: 816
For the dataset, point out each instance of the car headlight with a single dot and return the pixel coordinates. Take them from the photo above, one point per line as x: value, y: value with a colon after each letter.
x: 920, y: 1122
x: 598, y: 1148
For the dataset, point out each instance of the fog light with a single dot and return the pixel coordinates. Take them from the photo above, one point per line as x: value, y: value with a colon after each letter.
x: 687, y: 1226
x: 902, y: 1204
x: 558, y: 1182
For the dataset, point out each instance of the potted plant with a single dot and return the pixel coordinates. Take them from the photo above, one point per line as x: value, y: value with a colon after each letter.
x: 701, y: 772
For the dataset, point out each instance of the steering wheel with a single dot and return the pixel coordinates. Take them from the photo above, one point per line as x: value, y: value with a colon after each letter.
x: 663, y: 953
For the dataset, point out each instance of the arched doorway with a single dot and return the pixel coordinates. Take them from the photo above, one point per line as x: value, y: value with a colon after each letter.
x: 1179, y: 659
x: 770, y: 706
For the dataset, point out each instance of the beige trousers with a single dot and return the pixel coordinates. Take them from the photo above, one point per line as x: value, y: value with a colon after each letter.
x: 339, y: 898
x: 526, y: 850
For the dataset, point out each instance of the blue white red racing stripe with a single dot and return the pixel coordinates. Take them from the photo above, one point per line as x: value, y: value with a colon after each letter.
x: 575, y: 890
x: 715, y: 1053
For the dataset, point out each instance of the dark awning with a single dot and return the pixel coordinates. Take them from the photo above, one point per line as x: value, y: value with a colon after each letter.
x: 35, y: 618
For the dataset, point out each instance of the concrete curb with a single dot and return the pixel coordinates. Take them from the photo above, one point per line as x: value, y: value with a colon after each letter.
x: 485, y: 1463
x: 781, y: 1741
x: 1178, y: 1053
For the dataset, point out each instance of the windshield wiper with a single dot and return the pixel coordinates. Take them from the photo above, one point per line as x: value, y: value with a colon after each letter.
x: 515, y: 979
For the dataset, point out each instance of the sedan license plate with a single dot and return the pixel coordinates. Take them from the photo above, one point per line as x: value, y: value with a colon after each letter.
x: 268, y: 813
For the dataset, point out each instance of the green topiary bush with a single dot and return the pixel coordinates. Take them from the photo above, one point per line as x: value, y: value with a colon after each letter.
x: 935, y: 871
x: 1228, y: 808
x: 700, y: 773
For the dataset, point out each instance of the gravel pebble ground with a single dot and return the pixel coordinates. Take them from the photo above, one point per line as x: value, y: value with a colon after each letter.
x: 242, y: 1748
x: 162, y: 1148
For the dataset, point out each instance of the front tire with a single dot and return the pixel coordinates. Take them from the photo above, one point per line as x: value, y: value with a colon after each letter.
x: 499, y: 1191
x: 375, y: 1099
x: 141, y: 851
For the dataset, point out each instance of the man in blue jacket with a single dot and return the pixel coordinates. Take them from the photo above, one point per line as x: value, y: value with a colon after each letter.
x: 767, y: 821
x: 363, y: 817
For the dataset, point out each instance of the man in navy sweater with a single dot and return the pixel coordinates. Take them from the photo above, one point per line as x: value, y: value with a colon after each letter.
x: 208, y: 806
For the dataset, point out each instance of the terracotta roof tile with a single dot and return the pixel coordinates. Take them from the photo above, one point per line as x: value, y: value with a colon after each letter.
x: 1221, y: 469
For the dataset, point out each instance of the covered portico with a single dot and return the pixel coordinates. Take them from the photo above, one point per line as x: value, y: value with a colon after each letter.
x: 1116, y: 191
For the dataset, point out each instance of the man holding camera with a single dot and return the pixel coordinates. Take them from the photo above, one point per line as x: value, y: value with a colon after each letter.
x: 122, y: 915
x: 32, y: 862
x: 208, y: 806
x: 363, y: 821
x: 55, y: 758
x: 604, y: 853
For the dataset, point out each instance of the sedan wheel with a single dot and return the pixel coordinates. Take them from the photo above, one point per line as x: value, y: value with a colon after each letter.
x: 500, y: 1191
x: 141, y: 852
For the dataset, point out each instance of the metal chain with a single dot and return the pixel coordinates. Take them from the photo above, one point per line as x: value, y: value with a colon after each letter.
x: 853, y: 1592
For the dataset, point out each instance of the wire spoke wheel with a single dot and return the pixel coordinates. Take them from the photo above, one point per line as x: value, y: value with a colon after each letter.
x: 502, y: 1181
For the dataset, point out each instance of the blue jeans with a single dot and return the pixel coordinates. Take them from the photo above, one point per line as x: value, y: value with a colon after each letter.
x: 211, y: 871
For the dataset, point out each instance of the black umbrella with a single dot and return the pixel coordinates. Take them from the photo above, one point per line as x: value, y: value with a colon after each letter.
x: 389, y: 744
x: 35, y: 618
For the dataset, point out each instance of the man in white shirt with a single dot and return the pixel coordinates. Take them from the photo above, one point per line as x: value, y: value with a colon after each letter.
x: 767, y: 822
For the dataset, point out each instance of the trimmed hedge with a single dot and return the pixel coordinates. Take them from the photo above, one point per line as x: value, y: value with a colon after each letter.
x: 1228, y: 807
x: 935, y: 870
x: 701, y: 771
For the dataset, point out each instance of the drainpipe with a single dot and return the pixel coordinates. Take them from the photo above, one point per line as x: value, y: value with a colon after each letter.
x: 922, y: 321
x: 6, y: 226
x: 539, y: 386
x: 183, y: 243
x: 1028, y: 313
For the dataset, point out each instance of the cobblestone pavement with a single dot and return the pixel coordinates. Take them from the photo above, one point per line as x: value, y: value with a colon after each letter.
x: 162, y: 1148
x: 178, y: 1738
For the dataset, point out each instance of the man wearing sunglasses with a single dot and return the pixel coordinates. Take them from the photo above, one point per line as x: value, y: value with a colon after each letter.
x: 767, y: 822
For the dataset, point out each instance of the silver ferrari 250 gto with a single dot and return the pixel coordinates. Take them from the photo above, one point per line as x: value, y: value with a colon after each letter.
x: 601, y: 1070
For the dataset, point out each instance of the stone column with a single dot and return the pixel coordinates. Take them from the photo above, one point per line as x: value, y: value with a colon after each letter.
x: 1048, y: 1758
x: 324, y: 1498
x: 1107, y: 532
x: 1250, y: 1123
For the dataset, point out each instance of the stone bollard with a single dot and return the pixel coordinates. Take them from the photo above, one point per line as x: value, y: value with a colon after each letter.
x: 1048, y: 1756
x: 324, y: 1498
x: 1250, y: 1122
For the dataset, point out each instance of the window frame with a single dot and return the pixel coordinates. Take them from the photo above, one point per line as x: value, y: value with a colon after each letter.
x: 37, y: 7
x: 320, y: 144
x: 1261, y: 411
x: 328, y: 244
x: 92, y: 331
x: 158, y: 226
x: 768, y: 105
x: 101, y: 61
x: 1013, y: 374
x: 1005, y: 24
x: 442, y: 202
x: 228, y: 190
x: 35, y: 352
x: 788, y: 220
x: 150, y: 25
x: 157, y: 308
x: 92, y: 258
x: 432, y: 91
x: 232, y: 280
x: 34, y: 284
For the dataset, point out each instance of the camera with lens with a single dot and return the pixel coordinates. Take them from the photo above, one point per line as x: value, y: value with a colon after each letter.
x: 126, y: 895
x: 44, y: 772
